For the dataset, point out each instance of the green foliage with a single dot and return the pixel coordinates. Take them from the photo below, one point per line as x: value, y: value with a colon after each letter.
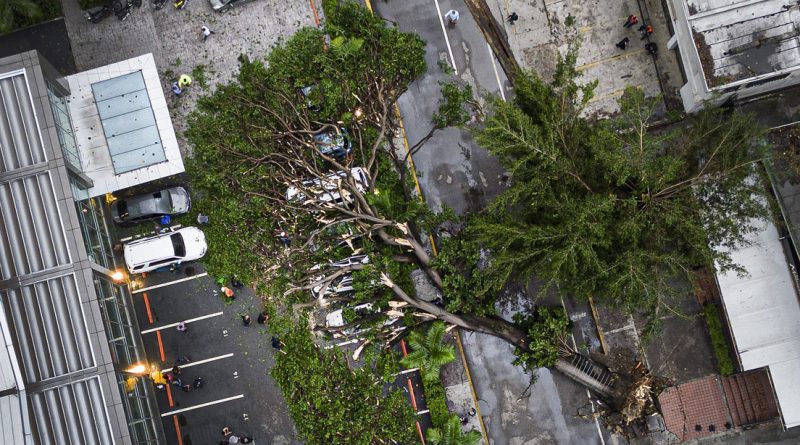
x: 466, y: 288
x: 199, y: 76
x: 606, y: 208
x: 428, y: 352
x: 89, y: 4
x: 570, y: 20
x: 436, y: 402
x: 452, y: 110
x: 450, y: 434
x: 547, y: 329
x: 334, y: 404
x: 718, y: 341
x: 15, y: 14
x: 235, y: 129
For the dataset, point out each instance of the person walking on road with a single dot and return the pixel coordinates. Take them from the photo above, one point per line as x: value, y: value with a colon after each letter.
x: 646, y: 30
x: 513, y: 17
x: 632, y: 20
x: 451, y: 17
x: 198, y: 383
x: 246, y: 320
x: 262, y: 318
x: 182, y: 327
x: 206, y: 32
x: 184, y: 80
x: 623, y: 44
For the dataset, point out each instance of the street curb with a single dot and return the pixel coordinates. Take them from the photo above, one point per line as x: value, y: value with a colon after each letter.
x: 471, y: 387
x: 595, y: 318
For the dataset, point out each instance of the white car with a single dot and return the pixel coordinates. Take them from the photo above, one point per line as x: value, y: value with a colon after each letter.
x: 154, y: 252
x: 349, y: 261
x: 328, y: 190
x: 335, y: 319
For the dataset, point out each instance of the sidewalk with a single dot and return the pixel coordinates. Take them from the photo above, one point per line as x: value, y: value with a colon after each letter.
x: 545, y: 28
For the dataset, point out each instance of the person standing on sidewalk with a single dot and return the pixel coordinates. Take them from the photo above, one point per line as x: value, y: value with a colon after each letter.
x: 206, y: 32
x: 632, y: 20
x: 623, y: 44
x: 246, y: 320
x: 513, y: 17
x: 451, y: 17
x: 646, y: 30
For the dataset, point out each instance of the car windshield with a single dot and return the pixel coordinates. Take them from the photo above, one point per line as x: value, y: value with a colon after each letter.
x: 178, y: 245
x: 122, y: 208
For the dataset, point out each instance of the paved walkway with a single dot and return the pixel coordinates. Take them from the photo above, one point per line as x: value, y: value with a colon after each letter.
x: 175, y: 39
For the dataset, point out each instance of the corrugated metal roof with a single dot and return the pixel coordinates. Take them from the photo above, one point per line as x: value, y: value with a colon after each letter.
x: 42, y: 319
x: 20, y: 141
x: 764, y: 315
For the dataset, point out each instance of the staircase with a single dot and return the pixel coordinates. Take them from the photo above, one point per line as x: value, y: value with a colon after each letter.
x: 750, y: 397
x: 589, y: 374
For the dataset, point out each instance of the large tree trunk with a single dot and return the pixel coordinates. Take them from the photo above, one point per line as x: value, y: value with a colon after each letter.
x: 492, y: 326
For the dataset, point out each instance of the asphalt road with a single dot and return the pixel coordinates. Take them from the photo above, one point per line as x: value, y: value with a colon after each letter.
x: 454, y: 171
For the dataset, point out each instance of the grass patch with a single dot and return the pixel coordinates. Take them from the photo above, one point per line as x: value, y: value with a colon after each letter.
x: 89, y: 4
x: 22, y: 17
x: 718, y: 340
x: 199, y: 76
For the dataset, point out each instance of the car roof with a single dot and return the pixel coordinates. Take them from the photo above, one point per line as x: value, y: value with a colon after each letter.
x: 146, y: 203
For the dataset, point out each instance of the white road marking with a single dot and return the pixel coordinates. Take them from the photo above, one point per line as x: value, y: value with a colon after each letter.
x: 200, y: 362
x: 588, y: 393
x: 191, y: 320
x: 145, y: 289
x: 446, y: 39
x: 202, y: 405
x: 496, y: 74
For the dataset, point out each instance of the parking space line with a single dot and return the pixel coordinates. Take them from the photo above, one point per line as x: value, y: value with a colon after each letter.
x: 200, y: 362
x: 202, y: 405
x: 147, y: 307
x: 446, y: 39
x: 177, y: 429
x: 609, y: 59
x: 496, y: 74
x: 145, y: 289
x: 160, y: 346
x: 191, y: 320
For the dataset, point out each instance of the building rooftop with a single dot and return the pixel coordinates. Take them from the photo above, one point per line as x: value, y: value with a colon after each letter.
x: 743, y: 39
x: 113, y: 156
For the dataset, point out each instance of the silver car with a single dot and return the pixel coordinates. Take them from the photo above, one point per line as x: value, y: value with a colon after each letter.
x: 224, y: 5
x: 172, y: 201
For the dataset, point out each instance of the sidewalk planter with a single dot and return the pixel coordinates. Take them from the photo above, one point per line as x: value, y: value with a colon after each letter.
x: 719, y: 341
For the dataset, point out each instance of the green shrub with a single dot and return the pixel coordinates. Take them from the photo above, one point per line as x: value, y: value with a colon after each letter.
x: 718, y: 340
x: 434, y: 396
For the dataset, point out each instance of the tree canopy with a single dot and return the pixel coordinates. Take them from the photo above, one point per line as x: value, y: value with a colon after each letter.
x: 614, y: 208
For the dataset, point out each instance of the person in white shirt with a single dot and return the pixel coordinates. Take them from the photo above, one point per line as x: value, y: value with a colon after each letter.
x: 452, y: 17
x: 206, y: 32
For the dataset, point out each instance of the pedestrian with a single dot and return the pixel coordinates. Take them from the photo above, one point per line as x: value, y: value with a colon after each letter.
x: 284, y: 238
x: 262, y: 317
x: 176, y: 370
x: 451, y: 17
x: 513, y: 17
x: 177, y: 382
x: 246, y: 439
x: 652, y: 48
x: 277, y: 343
x: 226, y: 431
x: 646, y: 30
x: 182, y: 327
x: 176, y: 90
x: 246, y: 320
x: 622, y: 44
x: 186, y: 388
x: 233, y: 438
x: 206, y: 32
x: 228, y: 292
x: 632, y: 20
x: 198, y: 383
x: 184, y: 81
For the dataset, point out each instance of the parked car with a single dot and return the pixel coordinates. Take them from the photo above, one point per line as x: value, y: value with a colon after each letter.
x: 164, y: 249
x: 224, y: 5
x: 333, y: 143
x: 328, y: 190
x: 335, y: 319
x: 349, y: 261
x: 171, y: 201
